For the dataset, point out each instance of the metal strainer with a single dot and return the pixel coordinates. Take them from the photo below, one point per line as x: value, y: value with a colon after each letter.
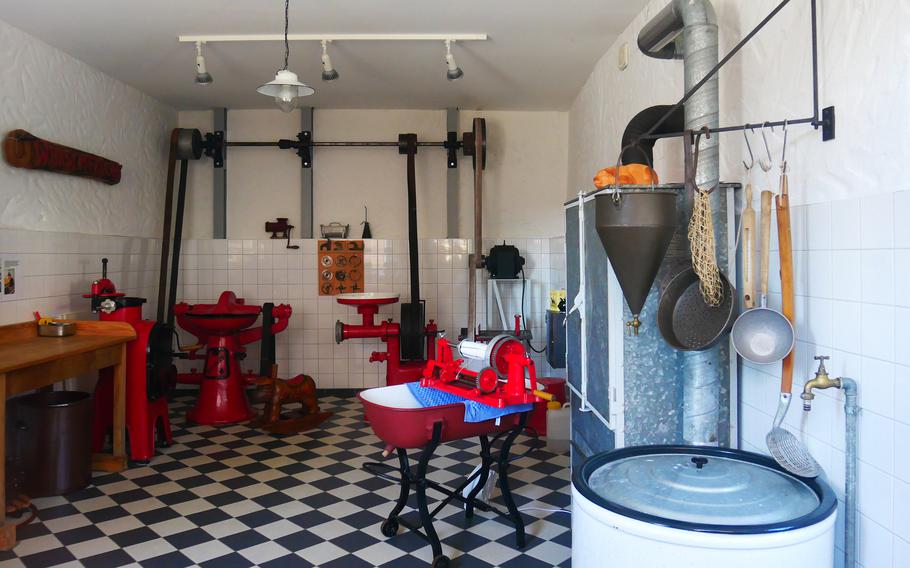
x: 786, y: 448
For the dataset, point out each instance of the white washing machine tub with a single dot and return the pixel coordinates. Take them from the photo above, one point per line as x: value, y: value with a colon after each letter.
x: 681, y: 506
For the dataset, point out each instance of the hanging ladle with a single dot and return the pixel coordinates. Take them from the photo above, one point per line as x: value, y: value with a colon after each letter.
x: 762, y: 335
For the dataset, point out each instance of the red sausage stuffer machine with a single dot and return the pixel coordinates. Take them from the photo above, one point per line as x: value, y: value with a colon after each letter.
x: 398, y: 371
x: 498, y: 373
x: 150, y: 373
x: 223, y: 329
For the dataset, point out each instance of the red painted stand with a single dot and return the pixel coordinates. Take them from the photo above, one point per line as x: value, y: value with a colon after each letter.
x: 222, y: 329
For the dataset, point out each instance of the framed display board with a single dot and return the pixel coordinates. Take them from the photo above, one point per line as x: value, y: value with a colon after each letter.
x: 340, y: 266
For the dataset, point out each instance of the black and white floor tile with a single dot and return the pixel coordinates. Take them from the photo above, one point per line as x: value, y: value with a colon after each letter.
x: 236, y: 496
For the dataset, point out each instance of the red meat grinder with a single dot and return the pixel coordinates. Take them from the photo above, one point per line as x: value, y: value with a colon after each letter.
x: 223, y: 330
x: 150, y: 374
x: 367, y: 304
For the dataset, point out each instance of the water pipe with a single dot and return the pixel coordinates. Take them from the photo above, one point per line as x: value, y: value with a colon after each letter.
x: 822, y: 381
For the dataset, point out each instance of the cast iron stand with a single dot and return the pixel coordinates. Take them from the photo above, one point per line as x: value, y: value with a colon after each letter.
x: 420, y: 482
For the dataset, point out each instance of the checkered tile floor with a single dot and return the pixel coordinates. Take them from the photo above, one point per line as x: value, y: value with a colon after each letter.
x: 237, y: 497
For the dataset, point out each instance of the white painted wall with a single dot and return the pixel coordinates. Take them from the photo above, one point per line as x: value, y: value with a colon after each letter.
x: 850, y: 246
x: 61, y: 226
x: 346, y: 179
x: 864, y: 71
x: 58, y: 98
x: 198, y: 215
x: 524, y: 183
x: 525, y: 178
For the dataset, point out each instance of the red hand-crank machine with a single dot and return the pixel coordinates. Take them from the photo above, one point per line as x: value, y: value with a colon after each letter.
x: 150, y: 373
x: 499, y: 373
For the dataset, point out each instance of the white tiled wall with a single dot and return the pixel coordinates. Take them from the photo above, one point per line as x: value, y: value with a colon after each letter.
x: 852, y: 261
x: 265, y: 270
x: 57, y: 268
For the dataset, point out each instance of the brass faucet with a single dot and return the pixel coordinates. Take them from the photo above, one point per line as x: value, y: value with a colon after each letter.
x: 821, y: 381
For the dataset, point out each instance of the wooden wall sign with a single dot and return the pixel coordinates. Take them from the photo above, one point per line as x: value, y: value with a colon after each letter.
x: 340, y: 267
x: 23, y: 150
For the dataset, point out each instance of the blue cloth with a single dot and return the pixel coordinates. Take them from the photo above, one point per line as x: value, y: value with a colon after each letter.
x: 473, y: 411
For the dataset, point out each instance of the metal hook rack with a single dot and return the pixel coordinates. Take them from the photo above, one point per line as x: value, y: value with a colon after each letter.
x: 823, y: 119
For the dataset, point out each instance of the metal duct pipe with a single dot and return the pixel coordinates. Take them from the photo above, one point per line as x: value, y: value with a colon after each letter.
x: 643, y: 150
x: 687, y: 30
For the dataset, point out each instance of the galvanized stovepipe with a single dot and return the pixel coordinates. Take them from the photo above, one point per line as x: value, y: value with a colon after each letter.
x: 687, y: 30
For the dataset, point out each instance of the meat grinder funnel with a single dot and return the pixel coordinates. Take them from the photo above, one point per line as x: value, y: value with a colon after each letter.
x: 635, y: 228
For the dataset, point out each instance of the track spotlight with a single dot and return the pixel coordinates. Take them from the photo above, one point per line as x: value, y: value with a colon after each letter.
x: 202, y: 76
x: 454, y: 71
x: 328, y: 72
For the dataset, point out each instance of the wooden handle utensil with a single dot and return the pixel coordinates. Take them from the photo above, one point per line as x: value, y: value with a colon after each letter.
x: 765, y: 243
x: 788, y: 300
x: 748, y: 237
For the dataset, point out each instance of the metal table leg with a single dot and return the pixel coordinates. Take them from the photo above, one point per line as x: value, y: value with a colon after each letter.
x: 514, y: 514
x: 389, y: 526
x: 486, y: 461
x: 426, y: 521
x: 418, y: 479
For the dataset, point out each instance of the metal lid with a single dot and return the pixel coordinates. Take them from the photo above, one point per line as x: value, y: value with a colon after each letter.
x: 714, y: 490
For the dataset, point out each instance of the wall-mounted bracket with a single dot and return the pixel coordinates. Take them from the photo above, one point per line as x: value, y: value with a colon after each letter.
x: 214, y: 147
x: 452, y: 145
x: 305, y: 138
x: 828, y: 129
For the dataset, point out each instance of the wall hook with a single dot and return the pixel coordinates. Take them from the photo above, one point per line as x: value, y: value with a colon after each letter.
x: 748, y: 147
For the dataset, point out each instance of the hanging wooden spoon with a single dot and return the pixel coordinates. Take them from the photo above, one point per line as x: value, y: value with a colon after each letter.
x: 748, y: 239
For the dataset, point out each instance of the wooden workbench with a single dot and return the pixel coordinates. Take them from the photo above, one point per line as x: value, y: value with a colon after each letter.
x: 29, y: 362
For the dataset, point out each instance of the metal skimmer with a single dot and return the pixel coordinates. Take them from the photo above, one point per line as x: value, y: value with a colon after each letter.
x: 786, y: 448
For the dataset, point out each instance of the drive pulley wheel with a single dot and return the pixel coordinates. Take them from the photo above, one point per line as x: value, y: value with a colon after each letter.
x: 477, y: 137
x: 189, y: 144
x: 487, y: 380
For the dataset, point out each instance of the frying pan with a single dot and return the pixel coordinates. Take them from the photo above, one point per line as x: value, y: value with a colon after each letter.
x: 762, y: 335
x: 684, y: 319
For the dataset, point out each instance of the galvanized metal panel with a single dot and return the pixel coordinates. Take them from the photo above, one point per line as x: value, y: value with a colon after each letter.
x: 219, y: 181
x: 452, y: 182
x: 306, y: 180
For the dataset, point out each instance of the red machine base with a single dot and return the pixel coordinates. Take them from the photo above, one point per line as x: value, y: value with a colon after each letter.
x: 146, y: 422
x: 223, y: 329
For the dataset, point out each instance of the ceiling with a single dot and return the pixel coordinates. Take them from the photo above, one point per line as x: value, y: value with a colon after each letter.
x: 538, y: 55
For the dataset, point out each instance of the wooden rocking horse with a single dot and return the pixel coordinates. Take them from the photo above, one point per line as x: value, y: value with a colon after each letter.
x: 276, y: 393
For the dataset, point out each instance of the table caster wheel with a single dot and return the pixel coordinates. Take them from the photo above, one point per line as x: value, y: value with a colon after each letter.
x: 441, y: 562
x: 389, y: 528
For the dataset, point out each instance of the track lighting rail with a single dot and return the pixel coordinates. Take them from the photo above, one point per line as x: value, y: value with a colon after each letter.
x: 330, y: 37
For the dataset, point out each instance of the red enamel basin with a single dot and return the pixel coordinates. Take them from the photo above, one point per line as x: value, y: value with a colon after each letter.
x: 228, y: 316
x: 367, y: 299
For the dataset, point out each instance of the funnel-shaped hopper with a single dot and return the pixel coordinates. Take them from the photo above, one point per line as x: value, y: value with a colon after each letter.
x: 636, y: 230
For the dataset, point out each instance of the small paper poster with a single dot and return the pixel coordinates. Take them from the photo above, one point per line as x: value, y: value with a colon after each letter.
x: 11, y: 275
